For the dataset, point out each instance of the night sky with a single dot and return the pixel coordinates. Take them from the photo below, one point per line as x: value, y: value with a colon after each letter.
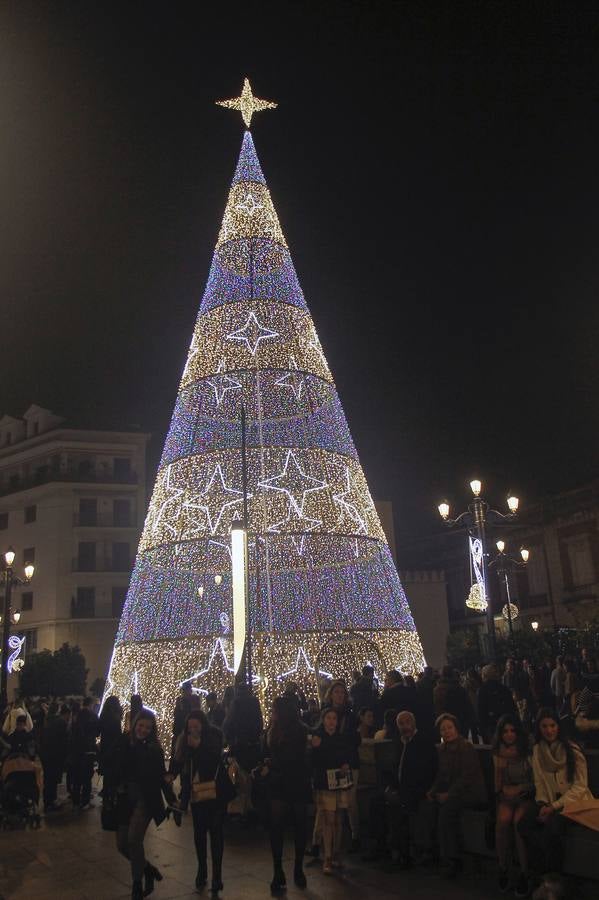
x: 434, y: 167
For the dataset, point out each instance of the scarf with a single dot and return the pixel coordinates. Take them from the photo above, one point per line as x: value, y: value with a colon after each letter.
x: 552, y: 756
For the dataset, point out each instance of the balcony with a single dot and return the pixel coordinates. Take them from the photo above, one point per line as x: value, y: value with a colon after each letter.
x: 101, y: 564
x: 48, y: 474
x: 102, y: 520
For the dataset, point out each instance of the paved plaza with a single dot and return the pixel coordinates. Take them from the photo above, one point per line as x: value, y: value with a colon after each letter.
x: 71, y: 858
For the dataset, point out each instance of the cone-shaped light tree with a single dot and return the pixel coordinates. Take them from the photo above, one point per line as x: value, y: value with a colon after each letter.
x: 324, y: 593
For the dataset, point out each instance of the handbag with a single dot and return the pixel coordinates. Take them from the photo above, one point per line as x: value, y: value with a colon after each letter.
x: 202, y: 791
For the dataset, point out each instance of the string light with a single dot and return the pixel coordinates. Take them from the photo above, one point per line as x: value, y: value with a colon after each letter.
x: 476, y: 599
x: 512, y: 613
x: 324, y: 592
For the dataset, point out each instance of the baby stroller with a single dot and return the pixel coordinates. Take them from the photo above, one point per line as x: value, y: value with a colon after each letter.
x: 21, y: 784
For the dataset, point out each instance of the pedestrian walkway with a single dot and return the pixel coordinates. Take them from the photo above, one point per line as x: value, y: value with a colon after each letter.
x: 71, y: 858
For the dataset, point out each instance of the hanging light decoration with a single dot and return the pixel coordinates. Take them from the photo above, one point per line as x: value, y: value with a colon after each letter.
x: 476, y: 598
x: 513, y: 611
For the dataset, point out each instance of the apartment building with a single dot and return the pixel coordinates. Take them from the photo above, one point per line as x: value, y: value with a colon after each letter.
x: 72, y: 501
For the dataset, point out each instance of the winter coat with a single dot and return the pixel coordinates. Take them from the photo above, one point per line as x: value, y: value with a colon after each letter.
x: 54, y: 742
x: 451, y: 697
x: 138, y: 769
x: 416, y: 769
x: 289, y: 778
x: 243, y: 728
x: 364, y: 694
x: 572, y: 798
x: 348, y: 726
x: 201, y: 761
x: 335, y: 751
x: 494, y: 701
x: 459, y: 773
x: 84, y: 732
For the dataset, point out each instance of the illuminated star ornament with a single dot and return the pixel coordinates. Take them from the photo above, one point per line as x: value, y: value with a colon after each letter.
x: 246, y: 103
x: 252, y: 333
x: 213, y: 506
x: 222, y: 383
x: 296, y: 477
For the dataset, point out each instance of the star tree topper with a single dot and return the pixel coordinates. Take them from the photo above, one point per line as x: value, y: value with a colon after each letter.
x: 246, y: 103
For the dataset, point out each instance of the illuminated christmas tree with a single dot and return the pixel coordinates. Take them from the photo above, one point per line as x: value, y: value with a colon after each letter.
x: 324, y: 593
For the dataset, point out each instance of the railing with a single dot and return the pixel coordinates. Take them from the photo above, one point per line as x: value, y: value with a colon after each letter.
x: 102, y: 564
x: 102, y: 520
x: 19, y: 483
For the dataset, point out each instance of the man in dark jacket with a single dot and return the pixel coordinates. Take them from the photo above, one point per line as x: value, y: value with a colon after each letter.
x: 416, y: 769
x: 396, y: 695
x: 365, y: 693
x: 83, y: 737
x: 494, y: 701
x: 53, y: 751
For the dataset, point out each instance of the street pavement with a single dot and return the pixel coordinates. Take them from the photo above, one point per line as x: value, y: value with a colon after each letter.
x: 71, y: 858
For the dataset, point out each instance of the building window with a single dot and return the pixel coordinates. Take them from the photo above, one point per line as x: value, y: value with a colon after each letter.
x: 536, y: 572
x: 30, y: 636
x: 122, y: 513
x: 84, y: 605
x: 121, y: 561
x: 29, y: 556
x: 30, y: 514
x: 86, y: 556
x: 119, y: 592
x: 85, y: 468
x: 26, y: 601
x: 581, y: 563
x: 122, y: 468
x: 88, y: 511
x: 3, y: 521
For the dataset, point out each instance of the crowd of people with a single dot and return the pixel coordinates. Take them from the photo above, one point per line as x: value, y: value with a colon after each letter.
x: 223, y: 757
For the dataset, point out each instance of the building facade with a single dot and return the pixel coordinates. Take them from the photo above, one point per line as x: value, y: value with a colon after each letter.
x: 559, y: 587
x: 72, y: 502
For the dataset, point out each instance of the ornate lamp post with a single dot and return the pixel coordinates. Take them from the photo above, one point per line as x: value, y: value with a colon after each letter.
x: 9, y: 615
x: 504, y: 564
x: 474, y: 521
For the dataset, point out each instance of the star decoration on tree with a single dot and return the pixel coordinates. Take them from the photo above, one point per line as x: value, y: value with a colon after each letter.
x: 172, y: 496
x: 217, y: 672
x: 249, y: 205
x: 246, y: 103
x: 193, y: 351
x: 292, y: 380
x: 348, y: 502
x: 302, y: 665
x: 293, y: 475
x: 252, y: 333
x: 223, y: 383
x: 210, y: 501
x: 300, y: 523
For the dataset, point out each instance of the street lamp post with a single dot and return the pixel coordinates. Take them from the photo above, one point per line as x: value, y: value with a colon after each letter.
x: 504, y: 564
x: 475, y: 520
x: 10, y: 581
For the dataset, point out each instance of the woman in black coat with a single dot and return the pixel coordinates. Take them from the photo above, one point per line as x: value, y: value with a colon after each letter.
x: 139, y: 771
x: 286, y: 767
x: 110, y: 735
x: 197, y: 757
x: 337, y: 698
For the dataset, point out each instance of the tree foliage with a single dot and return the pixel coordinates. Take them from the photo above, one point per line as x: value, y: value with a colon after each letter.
x: 55, y: 673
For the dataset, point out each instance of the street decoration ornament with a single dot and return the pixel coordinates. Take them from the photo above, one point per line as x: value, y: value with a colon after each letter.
x: 323, y: 591
x: 512, y: 613
x: 477, y: 598
x: 15, y: 662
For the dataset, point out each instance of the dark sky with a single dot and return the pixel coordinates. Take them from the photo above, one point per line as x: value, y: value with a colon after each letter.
x: 434, y: 167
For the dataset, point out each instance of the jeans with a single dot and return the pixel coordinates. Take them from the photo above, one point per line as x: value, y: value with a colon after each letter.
x: 130, y: 839
x: 208, y: 817
x: 281, y: 811
x: 544, y: 842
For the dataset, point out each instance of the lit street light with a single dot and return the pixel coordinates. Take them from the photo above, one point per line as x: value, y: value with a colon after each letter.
x: 10, y: 615
x: 504, y: 564
x: 474, y: 520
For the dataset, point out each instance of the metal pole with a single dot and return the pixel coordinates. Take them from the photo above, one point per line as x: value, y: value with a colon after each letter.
x: 5, y: 637
x: 244, y: 487
x: 478, y: 508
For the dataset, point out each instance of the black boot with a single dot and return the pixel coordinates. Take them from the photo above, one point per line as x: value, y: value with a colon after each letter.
x: 216, y: 886
x: 151, y: 874
x: 298, y: 874
x: 137, y: 891
x: 279, y: 882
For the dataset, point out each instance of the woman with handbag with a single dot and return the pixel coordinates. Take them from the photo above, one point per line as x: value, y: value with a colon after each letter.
x: 198, y: 759
x: 331, y: 772
x: 514, y: 792
x: 285, y: 767
x: 139, y: 771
